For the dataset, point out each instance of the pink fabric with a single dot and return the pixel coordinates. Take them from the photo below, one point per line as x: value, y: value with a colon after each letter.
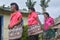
x: 32, y: 18
x: 14, y: 18
x: 48, y: 22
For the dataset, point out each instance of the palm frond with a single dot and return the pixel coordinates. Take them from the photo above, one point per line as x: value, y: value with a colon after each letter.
x: 33, y: 3
x: 29, y: 3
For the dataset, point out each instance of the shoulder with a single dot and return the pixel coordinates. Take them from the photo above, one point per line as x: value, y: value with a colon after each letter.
x: 19, y: 13
x: 50, y: 18
x: 34, y: 13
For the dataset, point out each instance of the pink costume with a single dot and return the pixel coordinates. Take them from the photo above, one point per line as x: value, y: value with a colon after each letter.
x: 14, y: 18
x: 48, y: 22
x: 32, y: 18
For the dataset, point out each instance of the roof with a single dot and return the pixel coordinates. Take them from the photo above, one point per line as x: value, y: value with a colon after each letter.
x: 5, y: 8
x: 21, y: 10
x: 57, y: 20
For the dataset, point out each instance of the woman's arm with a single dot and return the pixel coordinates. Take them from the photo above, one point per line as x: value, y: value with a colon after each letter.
x: 51, y: 24
x: 39, y: 21
x: 18, y: 22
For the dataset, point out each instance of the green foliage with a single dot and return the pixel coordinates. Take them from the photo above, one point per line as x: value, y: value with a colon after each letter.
x: 29, y: 3
x: 41, y: 36
x: 25, y: 33
x: 44, y: 3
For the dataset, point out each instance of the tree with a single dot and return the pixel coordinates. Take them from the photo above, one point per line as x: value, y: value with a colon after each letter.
x: 29, y: 3
x: 44, y: 4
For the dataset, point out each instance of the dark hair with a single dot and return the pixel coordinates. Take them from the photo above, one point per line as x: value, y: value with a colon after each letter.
x: 46, y: 13
x: 32, y: 8
x: 17, y: 8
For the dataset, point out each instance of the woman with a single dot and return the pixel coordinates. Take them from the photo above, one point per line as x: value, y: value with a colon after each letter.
x: 49, y: 33
x: 15, y: 27
x: 33, y: 24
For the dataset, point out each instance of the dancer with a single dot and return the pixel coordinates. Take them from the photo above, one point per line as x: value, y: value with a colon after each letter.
x: 48, y: 33
x: 34, y: 23
x: 15, y: 27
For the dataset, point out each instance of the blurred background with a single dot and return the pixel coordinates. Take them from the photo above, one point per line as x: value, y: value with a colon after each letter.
x: 53, y: 9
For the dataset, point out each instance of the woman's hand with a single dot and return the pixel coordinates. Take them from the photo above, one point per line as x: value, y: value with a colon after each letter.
x: 50, y: 27
x: 10, y: 27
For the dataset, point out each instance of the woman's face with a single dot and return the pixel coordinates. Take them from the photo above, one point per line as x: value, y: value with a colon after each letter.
x: 45, y: 15
x: 12, y: 7
x: 30, y: 10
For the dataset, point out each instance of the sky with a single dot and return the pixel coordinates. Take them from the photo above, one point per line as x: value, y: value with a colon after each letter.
x: 53, y: 9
